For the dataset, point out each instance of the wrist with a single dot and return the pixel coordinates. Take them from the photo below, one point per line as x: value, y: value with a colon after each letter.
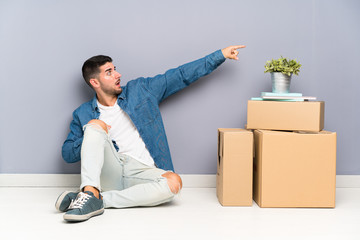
x: 223, y: 53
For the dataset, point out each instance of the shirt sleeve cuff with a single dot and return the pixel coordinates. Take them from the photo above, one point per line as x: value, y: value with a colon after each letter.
x: 218, y: 56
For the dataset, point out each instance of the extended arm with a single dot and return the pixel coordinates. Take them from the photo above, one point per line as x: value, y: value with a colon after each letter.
x: 173, y: 80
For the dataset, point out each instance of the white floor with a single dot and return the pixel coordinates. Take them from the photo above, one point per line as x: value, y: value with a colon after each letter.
x: 29, y: 213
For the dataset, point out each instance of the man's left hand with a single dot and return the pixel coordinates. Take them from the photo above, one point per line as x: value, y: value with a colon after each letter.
x: 232, y: 52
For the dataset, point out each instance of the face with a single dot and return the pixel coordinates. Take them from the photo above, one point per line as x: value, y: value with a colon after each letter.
x: 108, y: 81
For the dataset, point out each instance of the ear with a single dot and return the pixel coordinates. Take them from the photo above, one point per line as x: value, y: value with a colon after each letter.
x: 94, y: 83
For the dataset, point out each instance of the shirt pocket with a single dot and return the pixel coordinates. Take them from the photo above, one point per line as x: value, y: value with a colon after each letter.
x: 146, y: 112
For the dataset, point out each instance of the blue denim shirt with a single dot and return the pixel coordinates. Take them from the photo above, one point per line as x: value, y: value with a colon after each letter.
x: 140, y: 99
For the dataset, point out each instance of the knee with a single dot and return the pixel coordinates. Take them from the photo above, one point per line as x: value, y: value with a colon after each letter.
x: 99, y: 123
x: 174, y: 181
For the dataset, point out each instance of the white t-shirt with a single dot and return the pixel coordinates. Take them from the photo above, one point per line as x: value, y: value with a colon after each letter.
x: 124, y: 132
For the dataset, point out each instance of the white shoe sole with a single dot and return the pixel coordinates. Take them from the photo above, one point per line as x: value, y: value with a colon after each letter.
x: 79, y: 218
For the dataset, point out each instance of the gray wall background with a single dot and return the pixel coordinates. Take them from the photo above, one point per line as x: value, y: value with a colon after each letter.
x: 43, y: 45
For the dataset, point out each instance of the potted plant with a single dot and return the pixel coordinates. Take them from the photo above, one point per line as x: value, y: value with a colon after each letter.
x: 281, y: 71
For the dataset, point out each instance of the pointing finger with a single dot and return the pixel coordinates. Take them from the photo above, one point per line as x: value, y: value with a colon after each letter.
x: 239, y: 46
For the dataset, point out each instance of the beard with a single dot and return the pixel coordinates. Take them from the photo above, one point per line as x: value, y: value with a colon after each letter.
x: 111, y: 91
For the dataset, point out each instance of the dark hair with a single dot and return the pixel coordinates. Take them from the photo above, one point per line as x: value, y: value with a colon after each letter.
x: 90, y: 68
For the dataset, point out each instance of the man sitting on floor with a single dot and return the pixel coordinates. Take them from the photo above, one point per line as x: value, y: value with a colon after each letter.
x: 120, y: 138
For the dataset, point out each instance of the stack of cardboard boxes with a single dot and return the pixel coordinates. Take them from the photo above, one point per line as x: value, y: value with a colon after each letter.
x: 283, y: 159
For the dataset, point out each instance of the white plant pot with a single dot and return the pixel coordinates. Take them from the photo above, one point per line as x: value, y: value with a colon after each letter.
x: 280, y: 82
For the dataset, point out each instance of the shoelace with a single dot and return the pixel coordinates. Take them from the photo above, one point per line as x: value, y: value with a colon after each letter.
x: 80, y: 200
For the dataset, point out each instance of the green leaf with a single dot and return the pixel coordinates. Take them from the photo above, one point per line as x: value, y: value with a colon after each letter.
x: 283, y: 65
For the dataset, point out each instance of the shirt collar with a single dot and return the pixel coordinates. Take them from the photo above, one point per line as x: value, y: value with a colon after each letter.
x: 94, y: 100
x: 122, y: 95
x: 94, y: 103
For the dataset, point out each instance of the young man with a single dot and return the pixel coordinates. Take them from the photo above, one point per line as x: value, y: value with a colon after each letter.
x: 120, y: 138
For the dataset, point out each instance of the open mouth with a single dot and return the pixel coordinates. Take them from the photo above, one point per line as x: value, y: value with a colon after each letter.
x: 117, y: 83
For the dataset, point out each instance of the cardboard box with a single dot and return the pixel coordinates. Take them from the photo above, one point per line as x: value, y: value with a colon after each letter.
x: 281, y: 115
x: 234, y: 167
x: 294, y: 169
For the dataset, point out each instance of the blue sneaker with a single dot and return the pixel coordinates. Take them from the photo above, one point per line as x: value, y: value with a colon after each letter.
x: 64, y: 200
x: 85, y: 206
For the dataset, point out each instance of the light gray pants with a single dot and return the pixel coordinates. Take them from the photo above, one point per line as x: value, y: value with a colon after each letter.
x: 123, y: 181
